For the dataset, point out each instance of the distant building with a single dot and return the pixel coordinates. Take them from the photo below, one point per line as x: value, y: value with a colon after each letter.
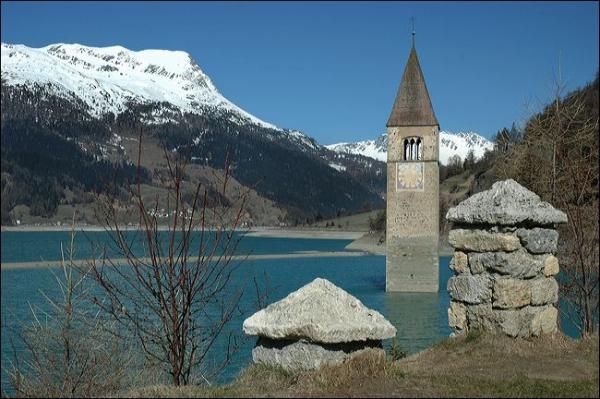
x: 412, y: 261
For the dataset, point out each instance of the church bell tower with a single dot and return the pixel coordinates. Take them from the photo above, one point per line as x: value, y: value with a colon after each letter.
x: 412, y: 228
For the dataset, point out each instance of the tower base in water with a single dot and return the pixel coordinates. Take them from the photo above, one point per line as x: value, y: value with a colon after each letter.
x: 412, y: 264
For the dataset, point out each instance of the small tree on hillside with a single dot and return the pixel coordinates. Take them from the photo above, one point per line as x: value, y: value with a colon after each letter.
x: 378, y: 223
x: 469, y: 160
x: 455, y: 165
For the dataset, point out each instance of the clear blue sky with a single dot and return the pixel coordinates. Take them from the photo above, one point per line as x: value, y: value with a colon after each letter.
x: 332, y: 70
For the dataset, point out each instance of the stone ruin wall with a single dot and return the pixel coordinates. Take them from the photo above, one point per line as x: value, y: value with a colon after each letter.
x: 504, y: 279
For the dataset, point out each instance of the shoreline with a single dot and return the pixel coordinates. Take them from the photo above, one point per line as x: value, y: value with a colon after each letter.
x: 362, y: 241
x: 270, y: 232
x: 84, y: 227
x: 83, y: 262
x: 259, y: 231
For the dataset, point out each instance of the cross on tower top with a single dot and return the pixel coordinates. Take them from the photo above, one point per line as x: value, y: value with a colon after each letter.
x: 412, y: 20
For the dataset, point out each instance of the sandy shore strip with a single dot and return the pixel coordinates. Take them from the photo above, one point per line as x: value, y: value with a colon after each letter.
x: 83, y: 262
x: 298, y: 233
x: 67, y: 227
x: 261, y: 231
x: 373, y: 243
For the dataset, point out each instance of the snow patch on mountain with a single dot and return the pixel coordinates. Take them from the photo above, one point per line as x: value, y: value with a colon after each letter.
x: 303, y: 139
x: 461, y: 143
x: 376, y: 149
x: 337, y: 166
x: 450, y: 144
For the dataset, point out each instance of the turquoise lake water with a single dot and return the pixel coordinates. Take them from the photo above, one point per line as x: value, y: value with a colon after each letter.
x: 421, y: 318
x: 45, y: 245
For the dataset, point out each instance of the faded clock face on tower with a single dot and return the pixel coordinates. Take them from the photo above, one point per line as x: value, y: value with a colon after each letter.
x: 409, y: 176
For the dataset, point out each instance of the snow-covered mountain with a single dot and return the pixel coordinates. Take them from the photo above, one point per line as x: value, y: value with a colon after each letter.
x: 450, y: 144
x: 111, y: 79
x: 107, y: 79
x: 73, y: 107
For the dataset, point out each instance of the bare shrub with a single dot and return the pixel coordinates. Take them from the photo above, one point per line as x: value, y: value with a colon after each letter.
x: 177, y: 297
x: 377, y: 224
x: 558, y: 159
x: 67, y: 350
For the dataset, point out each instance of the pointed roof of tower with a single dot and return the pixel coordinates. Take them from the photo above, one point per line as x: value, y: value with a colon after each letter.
x: 413, y: 105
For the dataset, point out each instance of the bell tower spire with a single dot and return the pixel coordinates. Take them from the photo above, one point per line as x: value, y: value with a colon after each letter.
x: 412, y: 228
x: 413, y: 105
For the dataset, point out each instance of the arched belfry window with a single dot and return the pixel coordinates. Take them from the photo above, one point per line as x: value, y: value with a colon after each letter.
x: 413, y: 149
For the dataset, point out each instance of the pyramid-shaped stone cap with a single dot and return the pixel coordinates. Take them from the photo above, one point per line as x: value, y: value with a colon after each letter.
x: 506, y: 203
x: 319, y: 312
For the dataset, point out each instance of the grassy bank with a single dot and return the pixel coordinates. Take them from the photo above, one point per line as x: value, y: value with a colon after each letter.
x: 471, y: 366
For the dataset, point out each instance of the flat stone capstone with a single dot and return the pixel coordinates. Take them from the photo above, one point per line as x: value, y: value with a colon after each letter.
x: 506, y: 203
x: 319, y: 312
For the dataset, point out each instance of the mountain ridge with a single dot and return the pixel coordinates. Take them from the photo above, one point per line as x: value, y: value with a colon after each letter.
x: 450, y: 144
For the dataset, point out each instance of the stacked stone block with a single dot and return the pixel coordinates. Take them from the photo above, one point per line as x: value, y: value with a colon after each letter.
x: 320, y: 324
x: 504, y: 263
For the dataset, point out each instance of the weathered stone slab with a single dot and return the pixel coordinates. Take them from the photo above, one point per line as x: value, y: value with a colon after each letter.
x: 484, y: 317
x: 477, y: 263
x: 525, y: 322
x: 459, y: 262
x: 544, y: 320
x: 543, y: 291
x: 513, y: 322
x: 470, y: 289
x: 538, y: 240
x: 482, y: 241
x: 502, y: 229
x: 551, y: 266
x: 303, y: 355
x: 457, y: 316
x: 510, y: 293
x: 506, y: 203
x: 319, y: 312
x: 516, y: 264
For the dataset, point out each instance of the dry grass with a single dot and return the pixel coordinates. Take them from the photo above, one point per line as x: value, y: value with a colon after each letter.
x: 471, y: 366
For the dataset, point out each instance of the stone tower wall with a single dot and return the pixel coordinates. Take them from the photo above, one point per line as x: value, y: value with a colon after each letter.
x: 412, y: 212
x: 396, y: 136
